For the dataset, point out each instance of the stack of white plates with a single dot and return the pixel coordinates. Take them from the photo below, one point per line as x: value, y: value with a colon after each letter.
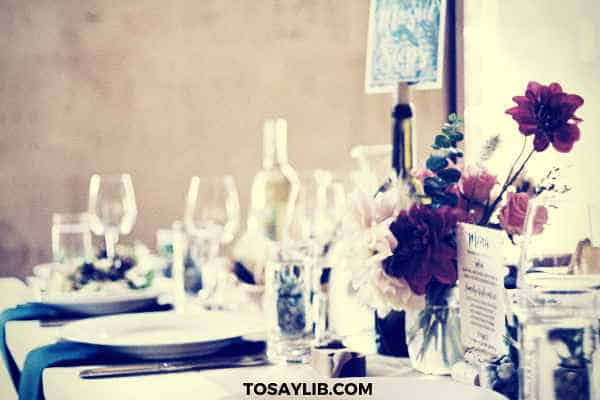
x: 163, y: 335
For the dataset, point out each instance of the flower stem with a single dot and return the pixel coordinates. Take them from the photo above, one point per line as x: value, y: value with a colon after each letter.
x: 512, y: 168
x: 510, y: 180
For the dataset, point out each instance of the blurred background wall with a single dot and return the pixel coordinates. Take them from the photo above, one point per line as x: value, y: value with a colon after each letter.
x: 168, y: 89
x: 508, y: 43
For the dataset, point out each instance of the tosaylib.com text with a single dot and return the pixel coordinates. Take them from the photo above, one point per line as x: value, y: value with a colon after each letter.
x: 300, y: 389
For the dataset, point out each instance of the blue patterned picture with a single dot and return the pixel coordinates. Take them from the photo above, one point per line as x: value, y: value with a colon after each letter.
x: 406, y: 40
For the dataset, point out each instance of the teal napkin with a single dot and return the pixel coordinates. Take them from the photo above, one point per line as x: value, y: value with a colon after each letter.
x: 25, y: 312
x: 28, y: 382
x: 69, y: 354
x: 36, y: 311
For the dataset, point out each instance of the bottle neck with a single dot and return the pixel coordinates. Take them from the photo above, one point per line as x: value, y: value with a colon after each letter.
x: 403, y: 156
x: 274, y: 143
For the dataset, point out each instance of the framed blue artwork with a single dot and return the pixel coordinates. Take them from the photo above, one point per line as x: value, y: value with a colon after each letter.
x: 405, y: 44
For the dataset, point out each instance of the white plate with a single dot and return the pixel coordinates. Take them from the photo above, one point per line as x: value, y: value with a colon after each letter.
x: 562, y: 281
x: 161, y: 335
x: 94, y: 303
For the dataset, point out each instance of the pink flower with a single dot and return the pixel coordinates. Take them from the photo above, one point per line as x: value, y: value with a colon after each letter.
x: 548, y: 113
x: 512, y: 215
x: 393, y: 293
x: 477, y: 183
x: 367, y: 211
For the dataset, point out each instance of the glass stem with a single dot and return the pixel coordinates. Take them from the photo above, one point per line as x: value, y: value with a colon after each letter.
x: 111, y: 237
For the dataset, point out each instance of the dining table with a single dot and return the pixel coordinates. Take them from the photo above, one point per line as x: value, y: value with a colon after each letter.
x: 389, y: 375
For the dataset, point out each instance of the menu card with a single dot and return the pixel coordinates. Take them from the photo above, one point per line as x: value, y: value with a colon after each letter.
x: 481, y: 282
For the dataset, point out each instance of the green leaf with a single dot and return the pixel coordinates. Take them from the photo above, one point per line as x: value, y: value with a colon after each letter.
x: 442, y: 141
x: 449, y: 175
x: 456, y: 137
x: 436, y: 163
x: 435, y: 186
x: 452, y: 117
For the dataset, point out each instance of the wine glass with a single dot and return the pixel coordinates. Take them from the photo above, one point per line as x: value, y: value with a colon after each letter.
x: 375, y: 170
x: 212, y: 218
x: 112, y: 208
x: 71, y: 238
x: 561, y: 235
x: 315, y: 210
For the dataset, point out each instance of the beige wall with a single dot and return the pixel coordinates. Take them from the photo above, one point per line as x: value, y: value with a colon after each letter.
x: 165, y: 90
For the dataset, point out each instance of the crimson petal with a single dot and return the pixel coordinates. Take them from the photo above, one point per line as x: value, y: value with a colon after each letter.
x: 541, y: 141
x: 555, y: 88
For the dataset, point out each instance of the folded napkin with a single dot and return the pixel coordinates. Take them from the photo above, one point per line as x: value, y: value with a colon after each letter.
x: 69, y: 354
x: 36, y: 311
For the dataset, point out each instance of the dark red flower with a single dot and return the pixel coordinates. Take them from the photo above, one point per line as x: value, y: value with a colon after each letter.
x: 548, y: 113
x: 425, y: 248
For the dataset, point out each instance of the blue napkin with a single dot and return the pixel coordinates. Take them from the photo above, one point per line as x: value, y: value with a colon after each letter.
x: 69, y: 354
x: 62, y: 354
x: 36, y: 311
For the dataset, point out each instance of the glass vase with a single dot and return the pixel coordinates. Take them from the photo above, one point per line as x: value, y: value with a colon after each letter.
x: 390, y: 334
x: 433, y: 338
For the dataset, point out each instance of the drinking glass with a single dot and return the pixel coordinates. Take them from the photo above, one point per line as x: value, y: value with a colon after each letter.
x: 558, y: 343
x: 557, y: 314
x: 314, y: 216
x: 71, y: 238
x: 561, y: 235
x: 112, y: 208
x: 288, y: 306
x: 374, y: 167
x: 212, y: 218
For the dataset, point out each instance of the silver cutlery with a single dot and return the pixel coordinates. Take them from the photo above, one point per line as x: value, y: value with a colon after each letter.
x: 172, y: 366
x: 54, y: 323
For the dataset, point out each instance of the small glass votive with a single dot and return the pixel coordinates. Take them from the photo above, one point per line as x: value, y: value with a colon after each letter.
x: 71, y: 238
x: 558, y: 344
x: 288, y: 307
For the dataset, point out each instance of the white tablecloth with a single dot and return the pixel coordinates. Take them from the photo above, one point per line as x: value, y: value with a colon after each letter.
x: 392, y: 378
x: 393, y: 375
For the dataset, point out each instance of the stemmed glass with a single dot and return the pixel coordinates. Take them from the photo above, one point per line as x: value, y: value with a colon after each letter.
x: 315, y: 213
x: 112, y: 208
x: 374, y: 167
x: 212, y: 218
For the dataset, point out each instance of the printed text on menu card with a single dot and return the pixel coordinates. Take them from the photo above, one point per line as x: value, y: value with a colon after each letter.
x: 481, y: 283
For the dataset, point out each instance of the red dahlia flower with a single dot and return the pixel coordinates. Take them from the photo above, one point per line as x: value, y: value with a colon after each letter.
x: 425, y: 248
x: 548, y: 113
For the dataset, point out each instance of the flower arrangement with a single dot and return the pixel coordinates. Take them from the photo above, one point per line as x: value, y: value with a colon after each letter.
x: 405, y: 243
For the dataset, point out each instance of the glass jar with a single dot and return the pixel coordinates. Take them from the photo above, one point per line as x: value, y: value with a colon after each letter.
x: 558, y: 344
x: 433, y: 336
x: 288, y: 306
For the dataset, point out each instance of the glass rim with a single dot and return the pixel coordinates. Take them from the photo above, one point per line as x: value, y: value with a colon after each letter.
x: 70, y: 218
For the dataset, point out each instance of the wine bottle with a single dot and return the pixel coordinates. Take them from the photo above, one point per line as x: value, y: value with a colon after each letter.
x: 403, y: 140
x: 273, y: 184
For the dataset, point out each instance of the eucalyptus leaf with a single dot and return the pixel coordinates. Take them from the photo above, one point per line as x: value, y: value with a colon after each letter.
x: 435, y: 184
x: 449, y: 175
x: 436, y: 163
x: 443, y: 141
